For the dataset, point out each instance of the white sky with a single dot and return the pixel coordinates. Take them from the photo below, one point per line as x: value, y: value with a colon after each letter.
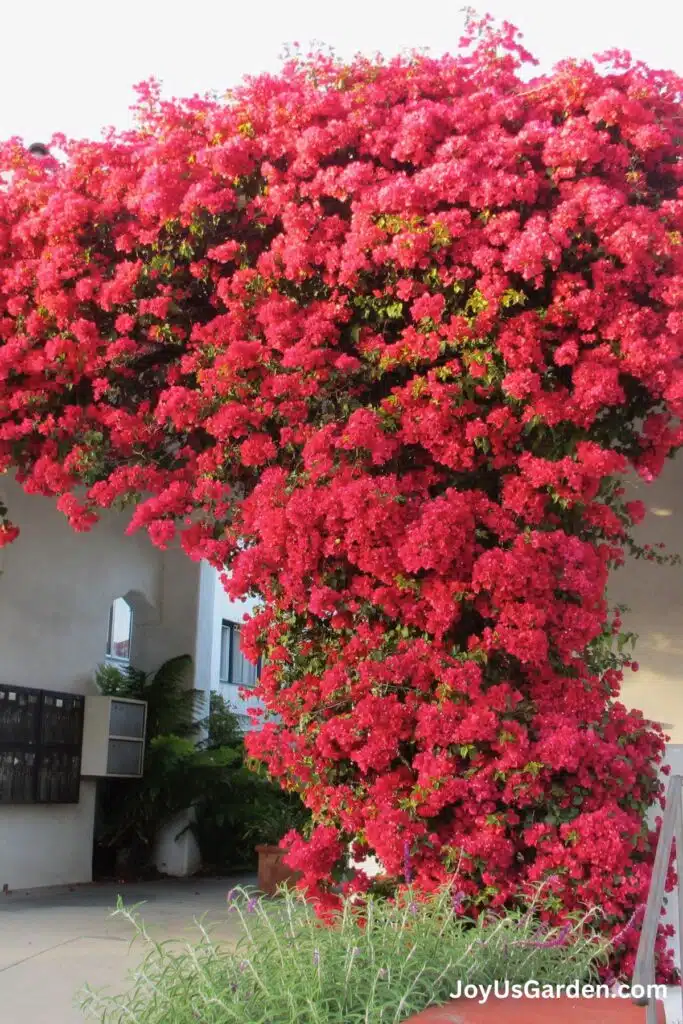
x: 70, y: 65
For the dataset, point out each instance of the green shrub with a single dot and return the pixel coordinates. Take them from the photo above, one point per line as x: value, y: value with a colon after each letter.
x: 132, y: 811
x: 238, y: 809
x: 288, y: 968
x: 195, y: 758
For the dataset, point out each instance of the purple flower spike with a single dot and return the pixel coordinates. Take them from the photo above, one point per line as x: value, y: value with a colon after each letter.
x: 562, y: 935
x: 407, y: 868
x: 628, y: 927
x: 252, y: 905
x: 541, y: 943
x: 458, y: 901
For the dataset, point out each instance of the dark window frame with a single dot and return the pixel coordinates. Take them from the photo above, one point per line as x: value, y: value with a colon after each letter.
x: 232, y: 629
x: 55, y: 773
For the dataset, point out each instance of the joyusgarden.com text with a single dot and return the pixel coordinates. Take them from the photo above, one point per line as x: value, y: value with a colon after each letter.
x: 531, y: 989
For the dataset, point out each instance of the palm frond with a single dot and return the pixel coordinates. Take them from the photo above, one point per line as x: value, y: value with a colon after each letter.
x: 173, y: 707
x: 126, y: 681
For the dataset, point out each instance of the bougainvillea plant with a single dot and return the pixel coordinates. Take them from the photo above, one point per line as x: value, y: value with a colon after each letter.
x: 381, y: 338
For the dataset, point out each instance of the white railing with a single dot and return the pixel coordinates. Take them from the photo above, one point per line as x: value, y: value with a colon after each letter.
x: 672, y: 828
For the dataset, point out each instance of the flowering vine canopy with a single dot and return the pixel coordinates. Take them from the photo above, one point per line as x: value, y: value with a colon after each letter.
x: 381, y: 338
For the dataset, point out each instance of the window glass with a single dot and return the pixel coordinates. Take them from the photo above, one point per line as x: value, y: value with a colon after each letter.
x: 235, y: 668
x: 127, y: 720
x: 244, y: 673
x: 124, y: 757
x: 120, y: 629
x: 226, y: 636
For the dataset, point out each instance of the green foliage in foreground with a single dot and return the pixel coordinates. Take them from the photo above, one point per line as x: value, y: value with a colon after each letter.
x: 289, y: 969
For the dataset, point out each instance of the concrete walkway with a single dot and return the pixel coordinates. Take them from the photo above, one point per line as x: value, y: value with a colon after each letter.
x: 53, y: 941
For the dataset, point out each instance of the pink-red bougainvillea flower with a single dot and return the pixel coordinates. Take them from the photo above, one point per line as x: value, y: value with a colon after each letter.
x: 380, y: 339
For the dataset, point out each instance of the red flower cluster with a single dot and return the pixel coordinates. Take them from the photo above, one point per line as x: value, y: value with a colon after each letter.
x: 379, y: 338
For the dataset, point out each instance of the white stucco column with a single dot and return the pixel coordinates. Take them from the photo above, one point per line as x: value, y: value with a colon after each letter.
x: 207, y: 631
x: 177, y: 852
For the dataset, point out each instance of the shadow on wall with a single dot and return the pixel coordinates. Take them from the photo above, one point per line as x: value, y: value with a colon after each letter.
x: 131, y: 619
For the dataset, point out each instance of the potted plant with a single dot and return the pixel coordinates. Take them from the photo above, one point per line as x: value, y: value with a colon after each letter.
x: 531, y: 1010
x: 387, y: 960
x: 271, y: 822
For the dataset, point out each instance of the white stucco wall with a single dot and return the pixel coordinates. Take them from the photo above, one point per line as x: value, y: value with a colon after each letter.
x: 56, y: 589
x: 655, y: 596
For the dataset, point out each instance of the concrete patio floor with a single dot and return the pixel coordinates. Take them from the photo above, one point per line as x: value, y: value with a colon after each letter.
x: 53, y: 941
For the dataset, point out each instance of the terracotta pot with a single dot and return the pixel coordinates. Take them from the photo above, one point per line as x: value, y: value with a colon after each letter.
x: 271, y: 871
x: 530, y: 1011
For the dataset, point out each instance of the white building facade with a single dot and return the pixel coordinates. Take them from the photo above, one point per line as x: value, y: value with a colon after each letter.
x: 68, y: 602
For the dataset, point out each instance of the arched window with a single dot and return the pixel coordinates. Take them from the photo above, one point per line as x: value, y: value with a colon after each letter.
x: 120, y: 630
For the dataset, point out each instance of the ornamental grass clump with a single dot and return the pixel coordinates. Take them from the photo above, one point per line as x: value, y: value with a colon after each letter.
x: 377, y: 963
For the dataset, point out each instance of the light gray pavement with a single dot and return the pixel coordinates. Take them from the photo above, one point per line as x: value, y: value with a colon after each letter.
x: 53, y: 941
